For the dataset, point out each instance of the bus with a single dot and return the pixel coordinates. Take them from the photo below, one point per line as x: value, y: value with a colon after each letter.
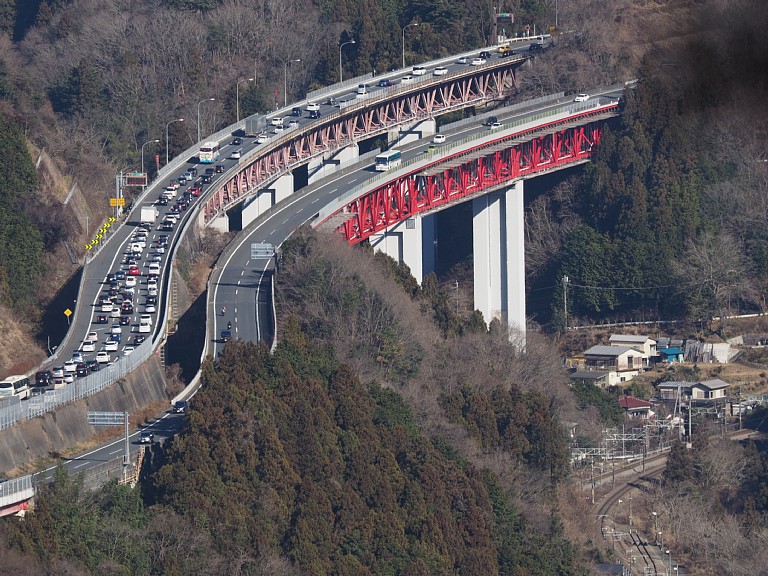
x: 387, y: 160
x: 15, y: 386
x: 209, y: 153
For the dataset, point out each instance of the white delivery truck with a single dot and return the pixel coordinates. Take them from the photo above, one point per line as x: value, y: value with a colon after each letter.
x: 148, y: 215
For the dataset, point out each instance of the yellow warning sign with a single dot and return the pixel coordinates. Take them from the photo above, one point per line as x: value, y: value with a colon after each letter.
x: 67, y: 312
x: 117, y: 201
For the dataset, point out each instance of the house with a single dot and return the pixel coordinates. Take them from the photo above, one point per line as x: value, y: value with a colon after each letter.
x: 594, y: 377
x: 643, y: 344
x: 636, y: 408
x: 714, y: 389
x: 622, y: 363
x: 671, y: 354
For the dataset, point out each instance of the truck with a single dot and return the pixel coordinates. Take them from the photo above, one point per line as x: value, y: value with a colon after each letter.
x: 255, y: 125
x: 148, y: 215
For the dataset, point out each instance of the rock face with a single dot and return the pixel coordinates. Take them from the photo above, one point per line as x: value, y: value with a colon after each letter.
x: 27, y: 442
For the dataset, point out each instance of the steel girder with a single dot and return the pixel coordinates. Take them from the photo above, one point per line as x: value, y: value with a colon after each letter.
x: 402, y: 104
x: 433, y: 186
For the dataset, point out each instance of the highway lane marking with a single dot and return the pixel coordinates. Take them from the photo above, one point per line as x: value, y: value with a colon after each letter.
x: 242, y: 272
x: 238, y: 282
x: 236, y: 290
x: 316, y: 200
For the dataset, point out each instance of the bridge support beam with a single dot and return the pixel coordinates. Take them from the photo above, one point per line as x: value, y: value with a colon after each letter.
x: 264, y: 199
x: 327, y: 164
x: 412, y: 242
x: 499, y: 257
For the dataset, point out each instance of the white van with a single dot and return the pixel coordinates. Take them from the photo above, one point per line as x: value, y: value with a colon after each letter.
x: 362, y: 89
x: 154, y: 269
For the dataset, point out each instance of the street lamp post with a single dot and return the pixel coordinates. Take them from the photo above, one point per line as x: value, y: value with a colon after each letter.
x: 166, y: 136
x: 669, y: 554
x: 142, y: 152
x: 404, y: 27
x: 655, y: 527
x: 237, y: 96
x: 285, y: 79
x: 341, y: 70
x: 198, y: 115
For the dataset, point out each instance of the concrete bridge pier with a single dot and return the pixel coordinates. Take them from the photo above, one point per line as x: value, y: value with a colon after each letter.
x: 411, y: 241
x: 264, y: 199
x: 327, y: 164
x: 408, y: 134
x: 499, y: 256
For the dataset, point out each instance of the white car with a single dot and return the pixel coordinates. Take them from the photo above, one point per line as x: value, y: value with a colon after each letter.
x: 77, y: 357
x: 581, y: 98
x: 150, y: 308
x: 152, y: 290
x: 477, y: 61
x: 263, y: 137
x: 440, y: 71
x: 494, y: 126
x: 236, y: 154
x: 419, y: 71
x: 102, y: 357
x: 130, y: 281
x: 276, y: 121
x: 128, y: 350
x: 146, y: 318
x: 70, y: 366
x: 463, y: 60
x: 312, y: 107
x: 278, y: 129
x: 92, y: 336
x: 406, y: 79
x: 110, y: 345
x: 69, y: 377
x: 439, y: 138
x: 145, y: 327
x: 57, y: 371
x: 88, y: 346
x: 116, y: 328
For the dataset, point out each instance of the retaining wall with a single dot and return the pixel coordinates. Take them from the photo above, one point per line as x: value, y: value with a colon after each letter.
x: 29, y: 441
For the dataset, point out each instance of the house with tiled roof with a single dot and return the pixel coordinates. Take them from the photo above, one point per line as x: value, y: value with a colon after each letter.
x: 706, y: 390
x: 643, y: 344
x: 622, y: 363
x: 636, y: 408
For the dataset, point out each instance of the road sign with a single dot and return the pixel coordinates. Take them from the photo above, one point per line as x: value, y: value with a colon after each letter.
x: 67, y: 312
x: 527, y: 27
x: 106, y: 418
x: 116, y: 202
x: 136, y: 179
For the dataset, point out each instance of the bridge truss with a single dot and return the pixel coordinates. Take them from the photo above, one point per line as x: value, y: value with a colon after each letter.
x: 480, y: 170
x: 399, y: 105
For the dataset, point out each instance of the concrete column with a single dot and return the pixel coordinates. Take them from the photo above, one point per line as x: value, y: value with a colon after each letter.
x: 264, y: 199
x: 499, y: 257
x: 412, y: 242
x: 407, y: 134
x: 323, y: 166
x: 220, y: 223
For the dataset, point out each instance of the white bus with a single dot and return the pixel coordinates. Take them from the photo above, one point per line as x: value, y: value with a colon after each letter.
x: 387, y: 160
x: 15, y: 386
x: 209, y: 153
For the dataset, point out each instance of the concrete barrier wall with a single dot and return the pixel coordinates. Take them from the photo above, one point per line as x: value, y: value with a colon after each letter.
x: 31, y: 441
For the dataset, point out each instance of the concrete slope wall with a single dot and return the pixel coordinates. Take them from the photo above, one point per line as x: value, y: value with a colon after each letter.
x: 28, y: 442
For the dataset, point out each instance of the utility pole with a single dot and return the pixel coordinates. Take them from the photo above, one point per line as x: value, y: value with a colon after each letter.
x: 565, y: 300
x: 738, y: 392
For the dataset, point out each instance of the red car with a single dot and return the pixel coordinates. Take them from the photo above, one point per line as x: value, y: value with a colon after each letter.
x: 195, y: 190
x: 134, y: 271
